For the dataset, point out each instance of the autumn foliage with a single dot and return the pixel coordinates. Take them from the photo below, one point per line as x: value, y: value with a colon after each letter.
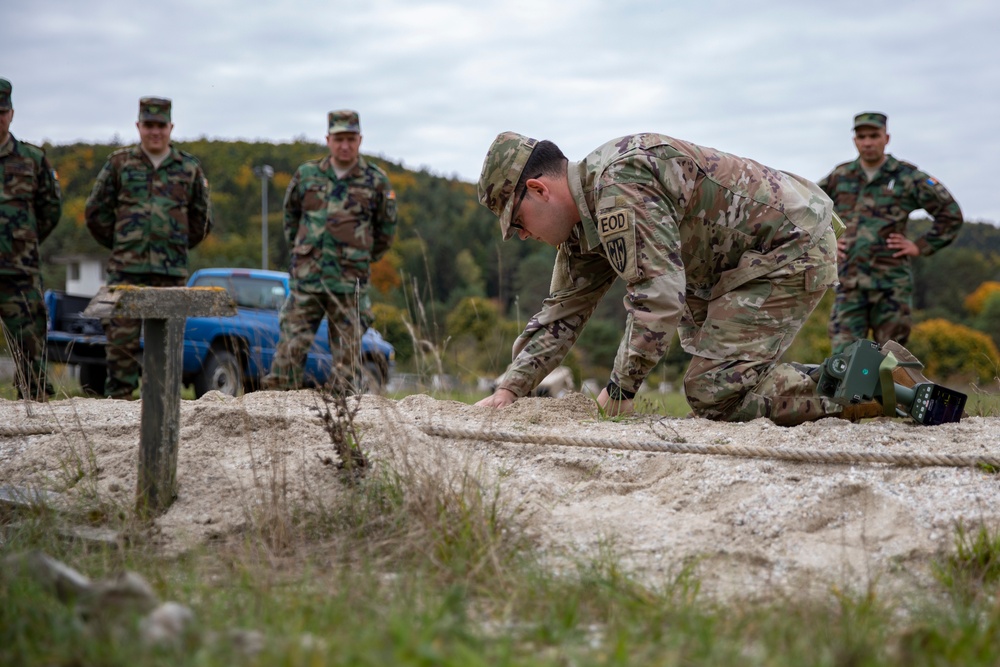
x: 954, y: 352
x: 975, y: 302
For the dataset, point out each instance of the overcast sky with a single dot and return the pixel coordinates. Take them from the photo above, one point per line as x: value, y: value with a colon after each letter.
x: 435, y: 82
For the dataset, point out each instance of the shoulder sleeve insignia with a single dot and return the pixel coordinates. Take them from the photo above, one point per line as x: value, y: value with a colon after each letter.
x: 614, y: 222
x: 617, y: 231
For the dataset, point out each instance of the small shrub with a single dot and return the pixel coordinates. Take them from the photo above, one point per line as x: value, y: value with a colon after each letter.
x: 988, y: 319
x: 975, y: 302
x: 473, y: 316
x: 953, y: 351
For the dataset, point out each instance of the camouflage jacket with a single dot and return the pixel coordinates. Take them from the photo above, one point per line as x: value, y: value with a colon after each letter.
x: 30, y: 206
x: 148, y: 217
x: 336, y: 227
x: 873, y: 210
x: 671, y: 219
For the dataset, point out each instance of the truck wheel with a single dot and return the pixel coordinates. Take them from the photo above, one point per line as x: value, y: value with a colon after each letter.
x: 93, y: 379
x: 221, y: 372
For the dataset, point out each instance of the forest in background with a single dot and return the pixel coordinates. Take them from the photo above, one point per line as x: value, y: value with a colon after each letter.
x: 450, y: 295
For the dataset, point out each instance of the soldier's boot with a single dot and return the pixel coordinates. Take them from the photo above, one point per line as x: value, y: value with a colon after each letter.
x: 907, y: 376
x: 120, y: 390
x: 279, y: 380
x: 40, y: 396
x: 855, y: 412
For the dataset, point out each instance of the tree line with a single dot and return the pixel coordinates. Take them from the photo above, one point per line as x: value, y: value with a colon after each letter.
x: 450, y: 294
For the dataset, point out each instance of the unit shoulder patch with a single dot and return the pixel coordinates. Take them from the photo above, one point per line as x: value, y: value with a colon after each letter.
x: 616, y: 221
x: 616, y: 228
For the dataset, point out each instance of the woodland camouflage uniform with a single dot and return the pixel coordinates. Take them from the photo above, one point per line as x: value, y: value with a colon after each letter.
x: 335, y: 228
x: 30, y: 206
x: 731, y: 254
x: 875, y: 291
x: 149, y: 217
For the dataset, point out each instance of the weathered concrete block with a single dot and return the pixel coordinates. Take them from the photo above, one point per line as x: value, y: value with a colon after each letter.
x: 160, y: 303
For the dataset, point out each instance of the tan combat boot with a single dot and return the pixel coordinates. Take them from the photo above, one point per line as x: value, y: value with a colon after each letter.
x: 907, y: 376
x: 855, y: 412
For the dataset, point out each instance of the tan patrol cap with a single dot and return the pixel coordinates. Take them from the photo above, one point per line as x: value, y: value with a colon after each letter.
x: 502, y: 168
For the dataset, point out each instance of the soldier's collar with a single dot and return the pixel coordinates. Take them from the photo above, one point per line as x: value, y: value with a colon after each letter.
x: 574, y: 178
x: 890, y: 164
x: 359, y: 167
x: 138, y: 151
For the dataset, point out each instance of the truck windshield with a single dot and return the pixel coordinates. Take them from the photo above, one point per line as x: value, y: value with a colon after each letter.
x: 248, y: 292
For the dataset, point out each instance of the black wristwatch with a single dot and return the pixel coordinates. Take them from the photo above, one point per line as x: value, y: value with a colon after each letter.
x: 616, y: 393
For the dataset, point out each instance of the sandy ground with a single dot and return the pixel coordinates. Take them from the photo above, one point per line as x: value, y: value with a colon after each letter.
x: 747, y: 525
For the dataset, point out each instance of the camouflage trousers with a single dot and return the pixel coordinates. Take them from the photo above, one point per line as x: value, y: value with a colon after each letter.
x: 884, y: 312
x: 124, y: 349
x: 737, y: 338
x: 24, y: 318
x: 300, y: 318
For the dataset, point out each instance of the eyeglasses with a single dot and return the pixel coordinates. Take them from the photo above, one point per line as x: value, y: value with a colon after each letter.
x: 517, y: 206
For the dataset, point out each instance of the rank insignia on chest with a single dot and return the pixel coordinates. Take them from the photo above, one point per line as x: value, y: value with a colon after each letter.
x: 616, y: 228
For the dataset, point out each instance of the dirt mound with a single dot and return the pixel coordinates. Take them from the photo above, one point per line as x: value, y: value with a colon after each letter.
x: 746, y: 524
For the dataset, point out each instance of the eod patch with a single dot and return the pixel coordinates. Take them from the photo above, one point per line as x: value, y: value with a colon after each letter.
x: 617, y: 231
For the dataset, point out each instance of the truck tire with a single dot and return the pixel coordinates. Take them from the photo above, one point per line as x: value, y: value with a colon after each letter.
x: 222, y: 371
x: 93, y: 379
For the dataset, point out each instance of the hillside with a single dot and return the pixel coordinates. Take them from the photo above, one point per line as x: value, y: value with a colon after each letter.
x: 448, y: 250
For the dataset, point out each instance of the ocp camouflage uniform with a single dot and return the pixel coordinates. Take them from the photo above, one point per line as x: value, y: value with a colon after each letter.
x: 149, y: 218
x: 30, y: 206
x: 876, y: 289
x: 732, y: 254
x: 335, y: 227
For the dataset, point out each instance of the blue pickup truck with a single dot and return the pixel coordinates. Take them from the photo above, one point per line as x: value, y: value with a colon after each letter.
x: 230, y: 354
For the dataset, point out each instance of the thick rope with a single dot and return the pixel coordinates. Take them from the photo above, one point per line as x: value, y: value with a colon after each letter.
x: 780, y: 453
x: 15, y: 431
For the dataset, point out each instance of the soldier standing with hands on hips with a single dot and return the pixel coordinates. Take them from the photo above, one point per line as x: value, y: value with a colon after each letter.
x: 875, y: 194
x: 30, y: 206
x: 340, y: 216
x: 150, y: 205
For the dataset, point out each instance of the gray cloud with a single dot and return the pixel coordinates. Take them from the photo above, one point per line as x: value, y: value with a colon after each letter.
x: 435, y: 81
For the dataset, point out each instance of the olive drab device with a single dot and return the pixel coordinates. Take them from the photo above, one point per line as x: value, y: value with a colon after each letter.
x: 862, y: 372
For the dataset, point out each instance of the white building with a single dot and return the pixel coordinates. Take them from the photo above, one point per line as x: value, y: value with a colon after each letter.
x: 84, y: 274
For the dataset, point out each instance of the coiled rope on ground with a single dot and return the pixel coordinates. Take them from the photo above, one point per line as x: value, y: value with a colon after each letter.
x: 742, y: 451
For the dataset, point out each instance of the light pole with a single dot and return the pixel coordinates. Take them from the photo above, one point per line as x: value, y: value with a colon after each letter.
x: 265, y: 172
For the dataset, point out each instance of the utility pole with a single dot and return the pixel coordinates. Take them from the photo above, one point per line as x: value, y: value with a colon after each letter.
x: 264, y: 172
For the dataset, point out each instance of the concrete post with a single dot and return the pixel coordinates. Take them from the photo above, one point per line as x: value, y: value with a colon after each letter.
x: 163, y: 310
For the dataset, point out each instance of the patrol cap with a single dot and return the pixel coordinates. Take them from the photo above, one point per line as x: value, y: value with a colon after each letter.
x: 5, y: 89
x: 344, y: 120
x: 155, y: 109
x: 502, y: 169
x: 872, y: 118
